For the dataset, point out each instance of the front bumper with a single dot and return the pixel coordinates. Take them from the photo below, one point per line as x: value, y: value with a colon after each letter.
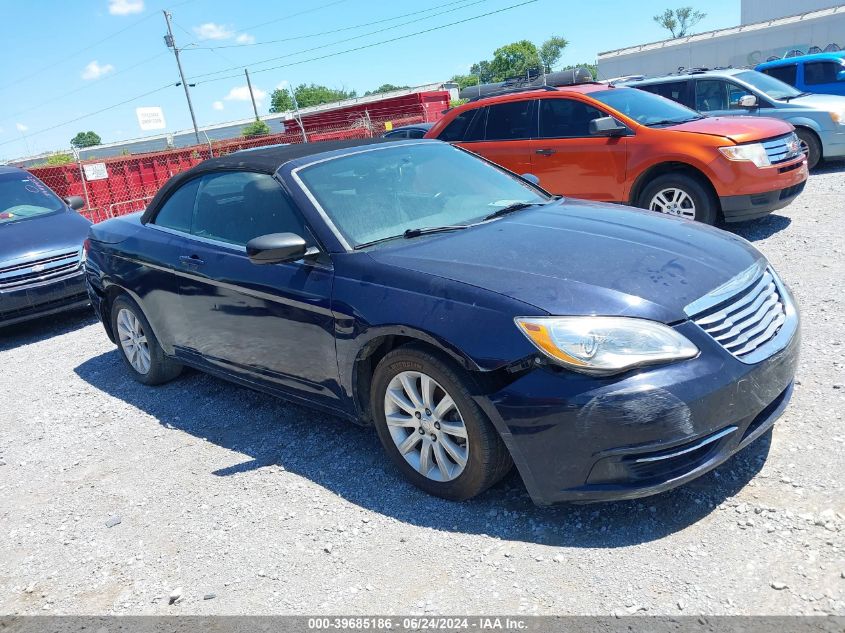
x: 581, y: 438
x: 42, y: 299
x: 758, y: 205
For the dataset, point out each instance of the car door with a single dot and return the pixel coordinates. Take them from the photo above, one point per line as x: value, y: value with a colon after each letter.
x: 502, y: 133
x: 568, y: 160
x: 267, y: 323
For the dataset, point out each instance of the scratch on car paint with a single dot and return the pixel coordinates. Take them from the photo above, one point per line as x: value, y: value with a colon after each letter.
x: 639, y: 405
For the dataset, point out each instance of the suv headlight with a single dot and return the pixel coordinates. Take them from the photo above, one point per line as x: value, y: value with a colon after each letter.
x: 754, y: 152
x: 605, y: 345
x: 838, y: 117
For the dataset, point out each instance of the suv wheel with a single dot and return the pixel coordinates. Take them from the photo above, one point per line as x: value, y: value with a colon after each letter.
x: 810, y: 145
x: 138, y: 346
x: 679, y: 195
x: 432, y: 429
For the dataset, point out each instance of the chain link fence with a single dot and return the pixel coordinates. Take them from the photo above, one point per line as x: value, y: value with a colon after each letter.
x: 115, y: 186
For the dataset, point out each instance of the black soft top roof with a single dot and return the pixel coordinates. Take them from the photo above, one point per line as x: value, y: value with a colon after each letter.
x: 261, y: 160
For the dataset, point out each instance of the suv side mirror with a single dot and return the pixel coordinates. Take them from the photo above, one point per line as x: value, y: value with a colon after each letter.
x: 276, y: 248
x: 748, y: 101
x: 607, y: 126
x: 74, y: 202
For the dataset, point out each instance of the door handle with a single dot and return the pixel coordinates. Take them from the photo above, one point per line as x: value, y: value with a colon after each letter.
x: 191, y: 260
x: 545, y: 151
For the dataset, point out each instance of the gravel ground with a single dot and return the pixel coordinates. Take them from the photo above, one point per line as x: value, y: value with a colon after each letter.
x: 202, y: 497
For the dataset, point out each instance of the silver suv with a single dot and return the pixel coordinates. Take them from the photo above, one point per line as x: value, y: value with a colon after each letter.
x: 819, y: 120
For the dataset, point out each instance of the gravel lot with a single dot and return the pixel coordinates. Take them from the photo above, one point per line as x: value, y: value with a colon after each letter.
x: 202, y: 497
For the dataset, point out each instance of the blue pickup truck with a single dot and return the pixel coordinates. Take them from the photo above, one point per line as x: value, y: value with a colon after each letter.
x: 821, y: 73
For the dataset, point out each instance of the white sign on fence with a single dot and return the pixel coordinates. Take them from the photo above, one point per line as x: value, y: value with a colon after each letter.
x: 95, y: 171
x: 150, y: 118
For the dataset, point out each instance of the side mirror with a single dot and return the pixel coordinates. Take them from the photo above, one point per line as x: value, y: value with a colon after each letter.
x: 534, y: 180
x: 276, y: 248
x: 748, y: 101
x: 607, y: 126
x: 75, y: 202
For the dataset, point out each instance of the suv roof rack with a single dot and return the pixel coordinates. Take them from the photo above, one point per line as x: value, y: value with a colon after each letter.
x: 507, y: 91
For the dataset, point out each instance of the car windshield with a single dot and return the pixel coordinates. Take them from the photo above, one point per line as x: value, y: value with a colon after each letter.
x: 644, y: 107
x: 22, y: 196
x: 771, y: 87
x: 383, y: 192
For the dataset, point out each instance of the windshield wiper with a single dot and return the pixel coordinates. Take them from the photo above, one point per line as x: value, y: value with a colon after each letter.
x: 800, y: 94
x: 516, y: 206
x: 673, y: 121
x: 409, y: 233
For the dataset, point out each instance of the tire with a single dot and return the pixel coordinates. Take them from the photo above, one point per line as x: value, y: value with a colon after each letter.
x: 486, y: 459
x: 138, y: 346
x: 684, y: 196
x: 811, y: 145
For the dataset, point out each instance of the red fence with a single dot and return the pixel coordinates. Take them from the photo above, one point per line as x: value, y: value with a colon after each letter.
x: 130, y: 182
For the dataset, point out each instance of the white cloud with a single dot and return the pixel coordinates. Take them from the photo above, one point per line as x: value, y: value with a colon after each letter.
x: 212, y: 31
x: 125, y: 7
x: 218, y: 105
x: 95, y: 71
x: 241, y: 93
x: 245, y: 38
x: 21, y: 127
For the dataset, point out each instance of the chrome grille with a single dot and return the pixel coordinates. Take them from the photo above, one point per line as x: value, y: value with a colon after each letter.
x: 49, y: 266
x: 747, y: 320
x: 782, y: 148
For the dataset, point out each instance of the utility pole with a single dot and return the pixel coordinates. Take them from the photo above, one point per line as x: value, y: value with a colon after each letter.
x: 296, y: 113
x: 251, y: 95
x: 171, y: 43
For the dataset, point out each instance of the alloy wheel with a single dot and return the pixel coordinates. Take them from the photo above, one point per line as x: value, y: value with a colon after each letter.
x: 426, y: 426
x: 133, y: 341
x: 673, y: 201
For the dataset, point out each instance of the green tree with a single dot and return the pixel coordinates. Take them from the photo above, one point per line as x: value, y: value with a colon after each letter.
x: 86, y: 139
x: 385, y: 88
x: 307, y: 95
x: 551, y: 50
x: 482, y: 71
x: 465, y: 81
x: 256, y: 128
x: 514, y: 60
x: 679, y: 22
x: 56, y: 159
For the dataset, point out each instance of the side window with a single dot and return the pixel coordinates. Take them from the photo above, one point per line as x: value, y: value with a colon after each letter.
x: 711, y: 94
x: 821, y: 72
x: 237, y: 206
x: 455, y: 131
x: 178, y: 209
x: 674, y: 90
x: 510, y: 121
x: 786, y: 74
x: 566, y: 118
x: 735, y: 92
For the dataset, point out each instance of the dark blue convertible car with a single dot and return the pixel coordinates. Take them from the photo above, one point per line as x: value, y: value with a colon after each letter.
x: 475, y: 320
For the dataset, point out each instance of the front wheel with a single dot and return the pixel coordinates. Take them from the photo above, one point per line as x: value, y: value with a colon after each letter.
x: 432, y: 429
x: 810, y: 145
x: 679, y: 195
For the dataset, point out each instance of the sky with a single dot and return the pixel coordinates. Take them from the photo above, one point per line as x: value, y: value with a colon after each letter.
x: 88, y: 64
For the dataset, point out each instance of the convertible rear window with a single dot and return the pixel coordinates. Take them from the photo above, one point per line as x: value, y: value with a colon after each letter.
x: 382, y: 192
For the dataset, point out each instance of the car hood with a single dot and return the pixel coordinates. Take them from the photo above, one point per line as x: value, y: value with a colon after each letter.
x: 829, y: 103
x: 575, y: 258
x: 739, y: 129
x: 65, y: 230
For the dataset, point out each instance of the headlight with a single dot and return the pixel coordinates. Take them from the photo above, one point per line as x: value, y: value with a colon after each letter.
x: 838, y: 117
x: 755, y: 152
x: 605, y: 345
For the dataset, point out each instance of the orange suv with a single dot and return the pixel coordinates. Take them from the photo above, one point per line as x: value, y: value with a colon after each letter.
x: 600, y: 142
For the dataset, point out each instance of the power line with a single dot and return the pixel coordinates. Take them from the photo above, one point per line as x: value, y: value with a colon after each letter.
x: 64, y: 95
x: 365, y: 46
x: 340, y: 30
x: 288, y: 17
x: 77, y: 52
x: 90, y: 114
